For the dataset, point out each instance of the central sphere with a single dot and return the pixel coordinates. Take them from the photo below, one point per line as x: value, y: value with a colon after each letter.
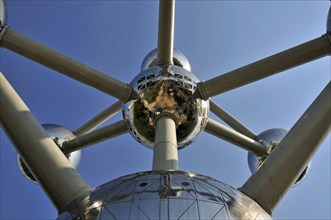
x: 165, y: 90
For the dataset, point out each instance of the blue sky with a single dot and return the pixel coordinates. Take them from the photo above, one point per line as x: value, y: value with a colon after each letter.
x: 216, y: 36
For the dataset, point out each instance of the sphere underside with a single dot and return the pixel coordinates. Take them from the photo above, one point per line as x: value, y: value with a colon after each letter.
x: 166, y: 195
x: 165, y: 90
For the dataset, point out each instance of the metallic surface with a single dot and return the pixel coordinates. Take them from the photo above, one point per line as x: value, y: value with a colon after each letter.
x: 166, y: 195
x: 282, y: 61
x: 270, y: 139
x: 165, y: 156
x: 234, y: 137
x: 3, y: 14
x: 179, y: 59
x: 55, y: 174
x: 165, y: 43
x: 102, y: 134
x: 65, y: 65
x: 59, y: 135
x: 165, y: 90
x: 281, y: 169
x: 328, y: 22
x: 99, y: 119
x: 230, y: 120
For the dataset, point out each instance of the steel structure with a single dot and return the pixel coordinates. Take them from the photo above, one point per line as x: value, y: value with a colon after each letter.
x: 165, y: 107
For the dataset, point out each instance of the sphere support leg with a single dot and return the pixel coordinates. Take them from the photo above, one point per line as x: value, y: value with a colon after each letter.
x: 165, y: 150
x: 53, y: 171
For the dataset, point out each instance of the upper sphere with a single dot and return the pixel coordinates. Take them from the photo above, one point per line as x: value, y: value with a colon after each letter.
x: 165, y: 90
x: 179, y: 59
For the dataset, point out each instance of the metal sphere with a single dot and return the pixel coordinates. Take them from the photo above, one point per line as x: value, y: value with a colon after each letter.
x: 166, y: 195
x: 59, y: 134
x: 165, y: 90
x: 179, y: 59
x: 270, y: 139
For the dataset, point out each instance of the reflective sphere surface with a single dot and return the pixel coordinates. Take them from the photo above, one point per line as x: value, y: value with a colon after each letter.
x: 270, y: 139
x: 59, y: 134
x: 166, y: 195
x: 179, y: 59
x: 165, y: 90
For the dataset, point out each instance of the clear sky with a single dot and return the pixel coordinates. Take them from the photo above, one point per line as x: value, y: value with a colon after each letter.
x: 216, y: 36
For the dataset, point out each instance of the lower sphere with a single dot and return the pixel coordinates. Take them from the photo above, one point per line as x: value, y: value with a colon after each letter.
x: 166, y: 195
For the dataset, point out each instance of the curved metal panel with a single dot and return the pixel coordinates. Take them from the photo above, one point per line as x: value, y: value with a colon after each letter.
x: 166, y: 195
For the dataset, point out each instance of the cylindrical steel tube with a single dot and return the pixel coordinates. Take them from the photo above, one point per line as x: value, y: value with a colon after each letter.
x: 234, y: 137
x: 166, y: 32
x: 283, y: 166
x: 287, y: 59
x: 58, y: 178
x: 99, y: 119
x: 65, y: 65
x: 165, y: 155
x: 105, y: 133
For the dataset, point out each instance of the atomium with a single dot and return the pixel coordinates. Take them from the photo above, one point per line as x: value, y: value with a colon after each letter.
x: 166, y: 195
x: 164, y: 89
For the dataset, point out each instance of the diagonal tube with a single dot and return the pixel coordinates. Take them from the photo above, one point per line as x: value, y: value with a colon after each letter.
x: 166, y: 32
x: 230, y: 120
x: 102, y: 134
x: 234, y: 137
x: 55, y: 174
x: 50, y: 58
x: 99, y: 119
x: 287, y: 59
x: 282, y: 167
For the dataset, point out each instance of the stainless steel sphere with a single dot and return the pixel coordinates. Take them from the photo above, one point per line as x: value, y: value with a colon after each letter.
x: 59, y: 134
x: 179, y: 59
x: 165, y: 90
x: 166, y: 195
x: 270, y: 139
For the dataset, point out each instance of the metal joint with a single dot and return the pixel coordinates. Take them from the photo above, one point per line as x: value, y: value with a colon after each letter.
x: 200, y: 92
x: 327, y: 37
x: 3, y: 31
x: 166, y: 114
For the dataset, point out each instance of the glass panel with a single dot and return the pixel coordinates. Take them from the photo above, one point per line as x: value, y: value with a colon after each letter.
x: 177, y: 207
x: 121, y: 194
x: 149, y: 207
x: 105, y: 214
x: 147, y: 189
x: 191, y: 213
x: 209, y: 210
x: 119, y: 210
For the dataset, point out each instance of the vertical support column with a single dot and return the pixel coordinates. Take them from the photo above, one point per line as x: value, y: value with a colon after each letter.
x: 166, y: 32
x: 165, y: 150
x: 55, y: 174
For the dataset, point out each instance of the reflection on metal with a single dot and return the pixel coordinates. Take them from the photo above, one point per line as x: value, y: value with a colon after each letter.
x: 59, y: 134
x: 165, y: 90
x: 270, y: 139
x: 166, y: 195
x: 179, y: 59
x: 328, y: 23
x: 3, y: 14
